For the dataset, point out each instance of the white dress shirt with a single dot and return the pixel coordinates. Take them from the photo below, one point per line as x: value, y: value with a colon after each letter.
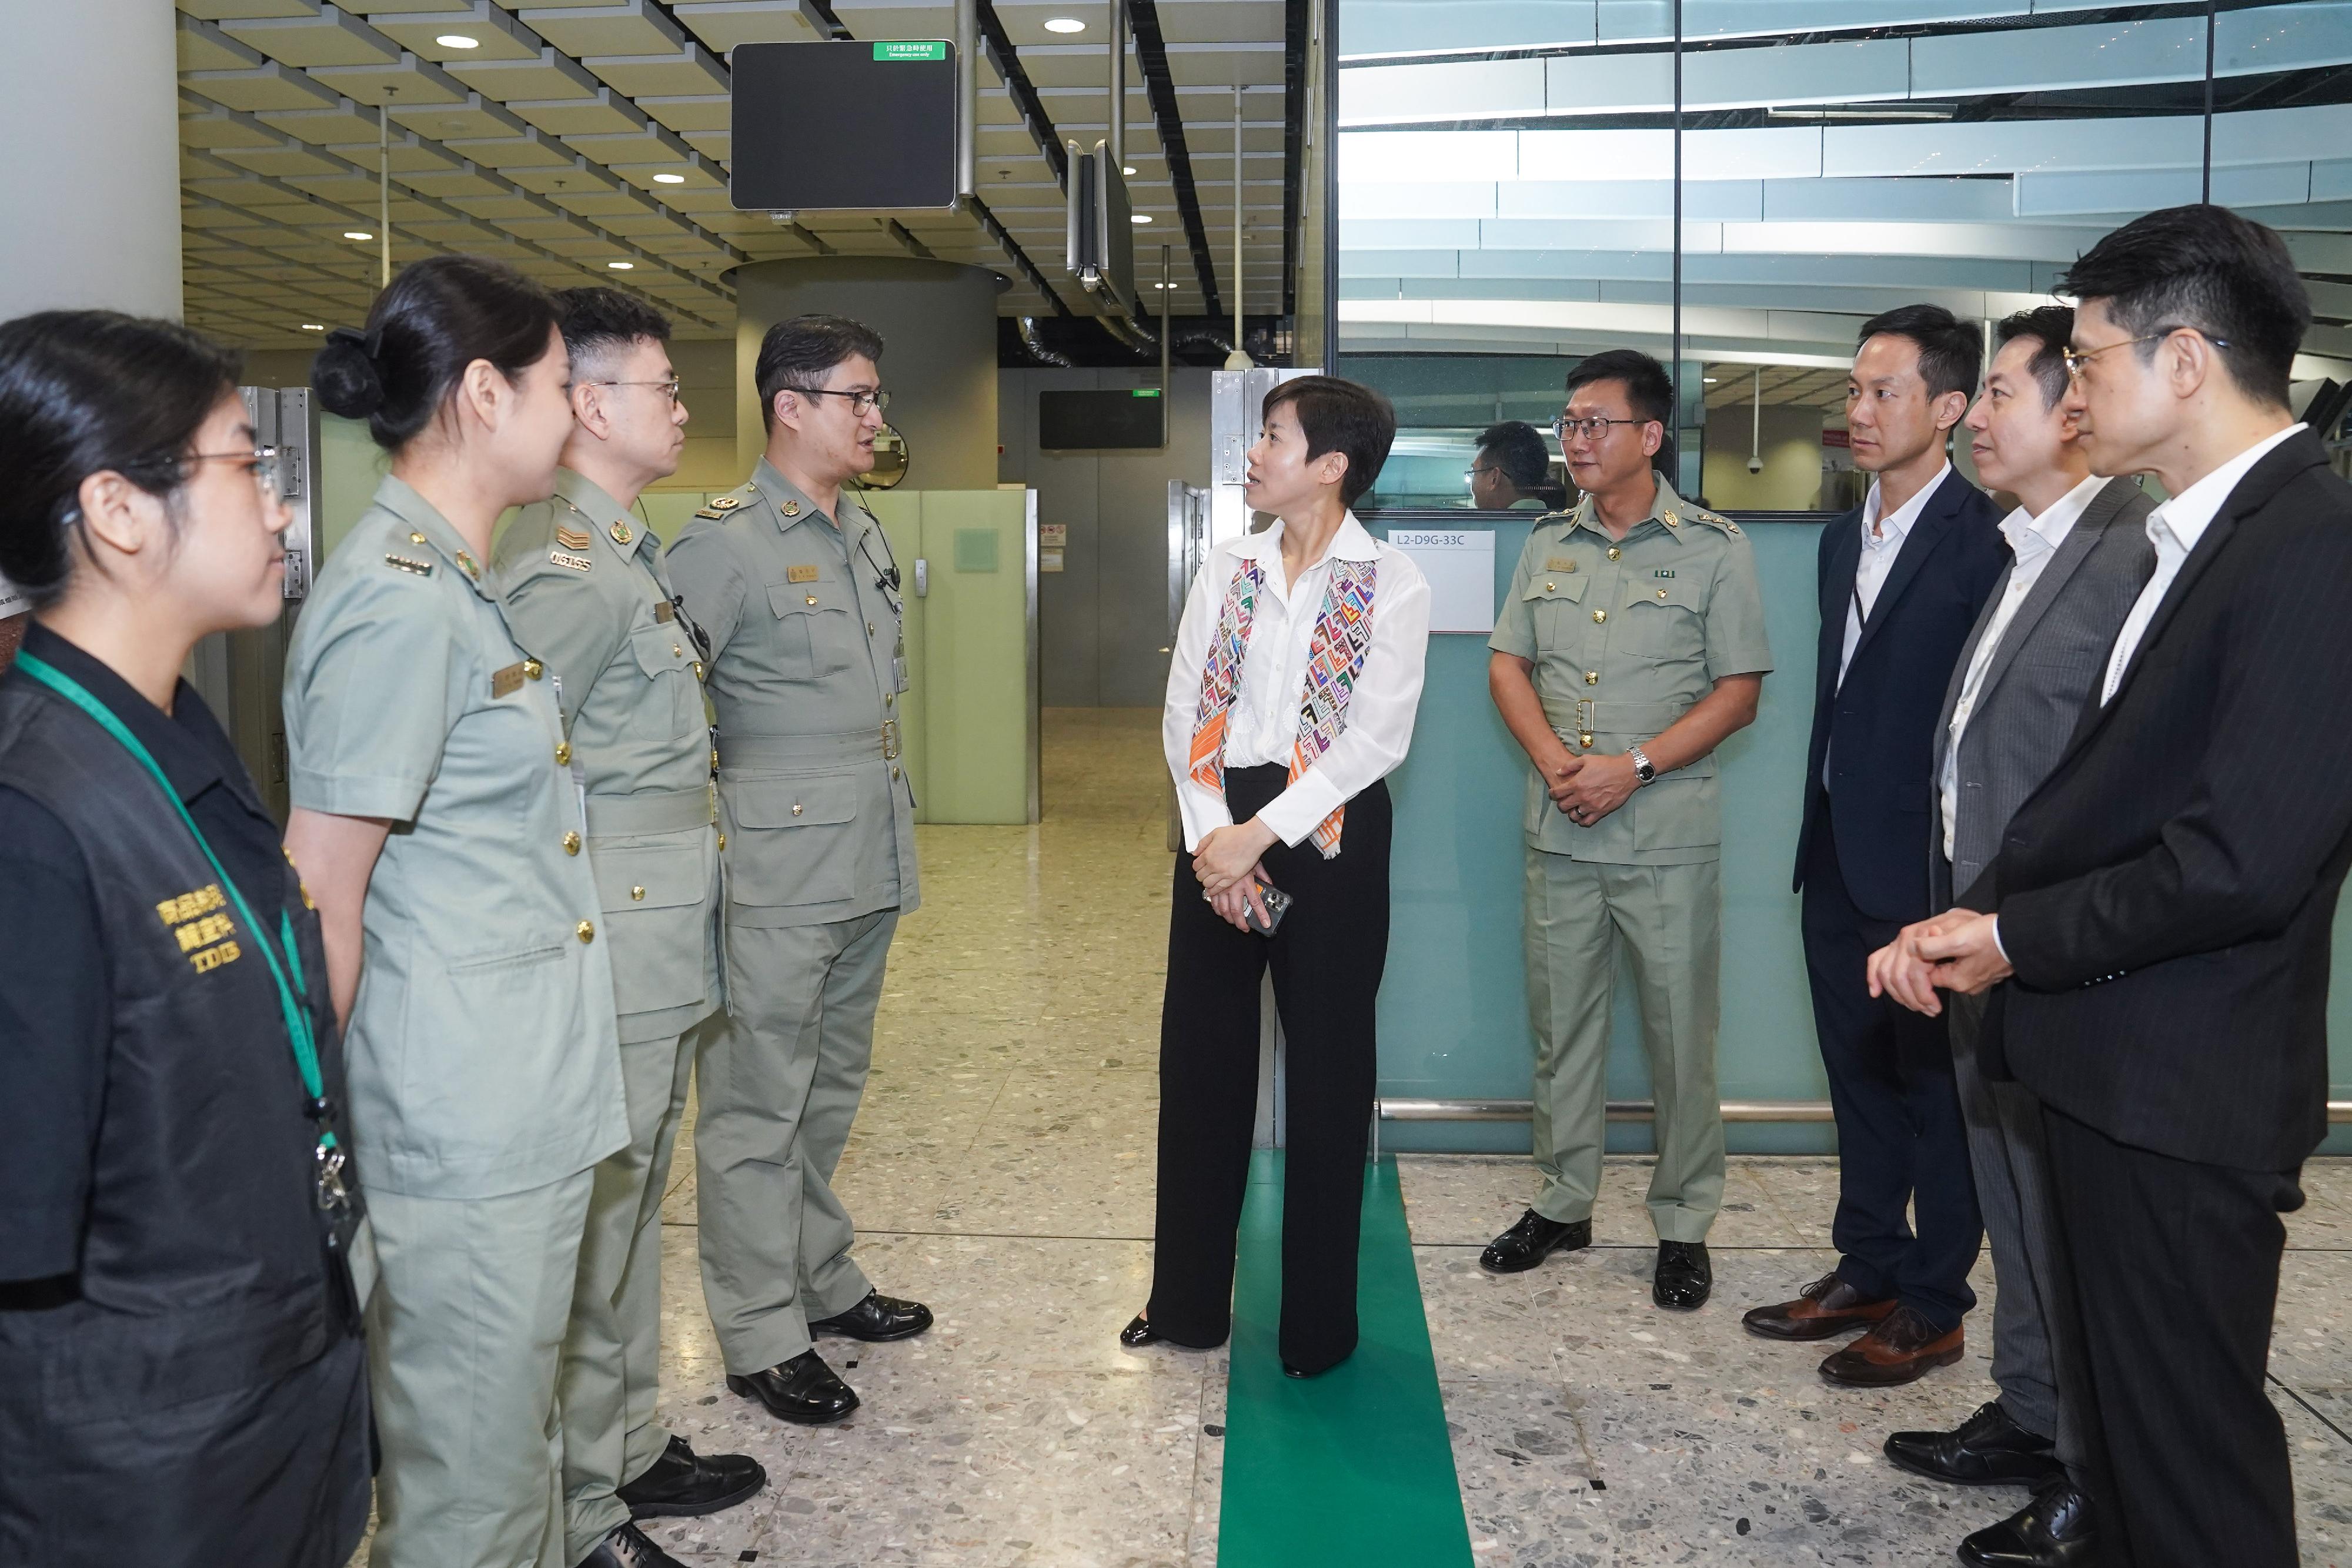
x: 1262, y: 725
x: 2174, y: 529
x: 1881, y: 541
x: 2034, y: 541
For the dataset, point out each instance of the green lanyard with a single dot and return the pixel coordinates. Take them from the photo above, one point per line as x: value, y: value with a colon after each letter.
x: 298, y: 1017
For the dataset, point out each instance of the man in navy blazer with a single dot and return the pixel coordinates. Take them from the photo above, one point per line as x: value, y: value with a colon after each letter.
x: 1902, y: 583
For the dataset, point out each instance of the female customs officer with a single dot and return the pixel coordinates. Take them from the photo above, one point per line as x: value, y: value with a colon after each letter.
x: 1291, y: 697
x: 181, y: 1372
x: 437, y: 819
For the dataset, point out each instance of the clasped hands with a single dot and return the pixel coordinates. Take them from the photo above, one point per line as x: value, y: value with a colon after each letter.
x: 1587, y: 788
x: 1954, y: 952
x: 1230, y: 869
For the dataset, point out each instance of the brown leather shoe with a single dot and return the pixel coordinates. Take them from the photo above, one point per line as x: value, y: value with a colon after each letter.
x: 1902, y: 1349
x: 1822, y: 1310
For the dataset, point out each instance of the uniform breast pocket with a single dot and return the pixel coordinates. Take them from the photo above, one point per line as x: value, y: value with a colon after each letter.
x: 1555, y: 604
x: 656, y: 914
x: 663, y: 654
x: 1662, y: 618
x: 816, y: 629
x: 793, y: 840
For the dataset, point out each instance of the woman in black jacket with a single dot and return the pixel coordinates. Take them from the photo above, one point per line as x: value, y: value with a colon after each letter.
x: 181, y: 1373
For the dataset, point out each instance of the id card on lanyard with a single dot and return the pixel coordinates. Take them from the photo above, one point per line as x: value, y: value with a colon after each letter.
x: 348, y: 1241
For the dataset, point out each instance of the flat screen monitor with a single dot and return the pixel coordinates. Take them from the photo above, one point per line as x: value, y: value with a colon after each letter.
x: 845, y: 126
x: 1101, y: 420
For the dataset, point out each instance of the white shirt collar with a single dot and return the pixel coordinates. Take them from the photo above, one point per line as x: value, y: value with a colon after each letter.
x: 1351, y: 543
x: 2027, y: 533
x: 1892, y: 531
x: 2187, y: 515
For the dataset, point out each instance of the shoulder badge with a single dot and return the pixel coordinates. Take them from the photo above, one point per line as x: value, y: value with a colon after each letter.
x: 572, y: 539
x: 421, y: 567
x: 620, y: 531
x: 576, y: 562
x: 725, y: 504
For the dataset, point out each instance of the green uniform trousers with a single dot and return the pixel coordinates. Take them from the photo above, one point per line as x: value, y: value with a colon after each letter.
x: 778, y: 1081
x: 464, y: 1342
x: 1670, y: 918
x: 612, y: 1354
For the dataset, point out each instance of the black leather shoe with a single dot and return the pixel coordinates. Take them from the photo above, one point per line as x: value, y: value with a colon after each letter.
x: 1138, y: 1334
x: 683, y: 1484
x: 803, y: 1391
x: 1986, y: 1449
x: 1531, y: 1240
x: 627, y: 1547
x: 876, y: 1319
x: 1683, y: 1278
x: 2054, y: 1530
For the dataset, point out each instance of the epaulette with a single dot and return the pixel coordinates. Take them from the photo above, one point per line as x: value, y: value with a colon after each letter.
x: 722, y: 505
x: 1699, y: 515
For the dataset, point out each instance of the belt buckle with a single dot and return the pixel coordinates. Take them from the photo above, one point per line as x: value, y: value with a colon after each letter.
x: 889, y: 740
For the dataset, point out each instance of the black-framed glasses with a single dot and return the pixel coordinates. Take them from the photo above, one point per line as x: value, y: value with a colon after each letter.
x: 669, y: 388
x: 1592, y: 427
x: 859, y: 402
x: 2077, y: 358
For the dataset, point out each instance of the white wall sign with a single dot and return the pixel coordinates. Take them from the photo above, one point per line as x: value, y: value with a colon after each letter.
x: 1460, y: 566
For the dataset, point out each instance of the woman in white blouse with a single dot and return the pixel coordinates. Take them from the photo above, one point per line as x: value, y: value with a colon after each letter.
x: 1297, y: 673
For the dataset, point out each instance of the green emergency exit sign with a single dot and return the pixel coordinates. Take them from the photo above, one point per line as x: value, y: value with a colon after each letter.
x: 1147, y: 392
x: 912, y: 50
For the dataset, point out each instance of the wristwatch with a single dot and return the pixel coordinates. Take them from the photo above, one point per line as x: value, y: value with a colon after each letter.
x: 1643, y: 768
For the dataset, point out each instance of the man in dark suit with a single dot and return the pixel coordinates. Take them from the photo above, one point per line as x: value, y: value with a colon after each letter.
x: 2161, y: 907
x: 1902, y: 581
x: 2033, y: 662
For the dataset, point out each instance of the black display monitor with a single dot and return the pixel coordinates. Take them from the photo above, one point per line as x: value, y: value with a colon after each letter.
x: 1101, y: 420
x: 859, y: 126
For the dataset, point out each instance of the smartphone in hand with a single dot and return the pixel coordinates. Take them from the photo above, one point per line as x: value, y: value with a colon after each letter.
x: 1277, y: 903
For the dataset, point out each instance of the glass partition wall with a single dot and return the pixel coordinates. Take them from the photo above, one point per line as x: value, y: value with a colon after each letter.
x: 1735, y: 186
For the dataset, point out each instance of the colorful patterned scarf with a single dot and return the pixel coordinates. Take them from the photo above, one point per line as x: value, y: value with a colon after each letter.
x: 1343, y: 633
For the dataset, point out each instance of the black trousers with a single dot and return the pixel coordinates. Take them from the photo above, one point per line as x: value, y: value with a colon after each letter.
x: 2170, y: 1273
x: 1327, y: 958
x: 1902, y: 1141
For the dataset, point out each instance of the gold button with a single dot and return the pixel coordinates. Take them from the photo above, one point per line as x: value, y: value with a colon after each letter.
x: 637, y: 894
x: 1599, y: 616
x: 1591, y: 677
x: 586, y: 931
x: 811, y: 599
x: 417, y: 538
x: 697, y: 670
x: 563, y: 753
x: 894, y: 771
x: 796, y: 807
x: 870, y: 628
x: 1550, y: 586
x: 1614, y: 552
x: 714, y: 756
x: 1662, y: 593
x: 571, y: 843
x: 1585, y: 740
x: 533, y: 668
x: 889, y: 699
x: 722, y: 841
x: 676, y: 650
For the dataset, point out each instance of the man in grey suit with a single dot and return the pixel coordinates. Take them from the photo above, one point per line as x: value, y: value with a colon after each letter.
x: 2029, y: 669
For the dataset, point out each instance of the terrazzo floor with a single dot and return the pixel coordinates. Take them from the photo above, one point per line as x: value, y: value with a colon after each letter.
x: 1001, y: 1170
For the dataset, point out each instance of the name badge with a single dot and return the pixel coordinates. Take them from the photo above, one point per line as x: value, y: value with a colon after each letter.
x: 1561, y: 563
x: 665, y: 611
x: 800, y: 574
x: 506, y: 682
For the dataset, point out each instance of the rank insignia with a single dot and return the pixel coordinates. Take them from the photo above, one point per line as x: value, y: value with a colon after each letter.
x: 576, y: 562
x: 791, y: 508
x: 725, y: 504
x: 800, y: 574
x: 711, y: 514
x: 421, y: 567
x: 1668, y: 573
x: 620, y: 531
x: 571, y: 538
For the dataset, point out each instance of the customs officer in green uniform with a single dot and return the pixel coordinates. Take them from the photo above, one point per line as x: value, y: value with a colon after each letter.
x: 585, y: 590
x: 793, y: 583
x: 1631, y: 643
x: 437, y: 823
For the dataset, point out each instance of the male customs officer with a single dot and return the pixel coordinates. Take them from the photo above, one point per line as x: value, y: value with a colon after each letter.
x: 1630, y: 645
x: 584, y: 585
x: 794, y: 584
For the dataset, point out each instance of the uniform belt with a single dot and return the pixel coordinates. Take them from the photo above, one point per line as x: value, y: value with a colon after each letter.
x: 1625, y: 718
x: 655, y: 811
x: 792, y: 750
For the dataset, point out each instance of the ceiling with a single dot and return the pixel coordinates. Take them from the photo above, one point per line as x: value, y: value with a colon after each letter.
x: 576, y: 136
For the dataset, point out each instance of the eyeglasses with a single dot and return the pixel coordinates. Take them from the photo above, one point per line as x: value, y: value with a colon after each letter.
x: 668, y: 388
x: 2077, y: 358
x: 261, y: 462
x: 859, y: 402
x: 1591, y: 428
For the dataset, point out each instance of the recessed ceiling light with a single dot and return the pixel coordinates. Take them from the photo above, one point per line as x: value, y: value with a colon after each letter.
x: 1125, y: 169
x: 357, y: 233
x: 458, y: 41
x: 1708, y: 379
x: 622, y: 265
x: 313, y: 326
x: 669, y: 179
x: 1065, y: 24
x: 1140, y: 218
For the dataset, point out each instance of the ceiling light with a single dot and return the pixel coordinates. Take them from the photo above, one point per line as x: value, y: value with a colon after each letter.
x: 357, y: 233
x: 458, y: 41
x: 1708, y: 379
x: 622, y: 265
x: 313, y: 326
x: 669, y: 179
x: 1140, y: 218
x: 1125, y: 169
x: 1065, y: 24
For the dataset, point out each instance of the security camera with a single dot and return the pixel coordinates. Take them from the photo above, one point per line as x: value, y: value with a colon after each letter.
x: 1756, y: 464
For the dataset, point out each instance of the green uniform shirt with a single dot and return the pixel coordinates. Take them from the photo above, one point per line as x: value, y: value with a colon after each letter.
x: 1626, y: 637
x: 584, y: 589
x: 481, y: 1047
x: 806, y: 655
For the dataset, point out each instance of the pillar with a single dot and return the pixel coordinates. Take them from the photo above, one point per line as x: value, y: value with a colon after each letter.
x: 937, y: 322
x: 89, y: 194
